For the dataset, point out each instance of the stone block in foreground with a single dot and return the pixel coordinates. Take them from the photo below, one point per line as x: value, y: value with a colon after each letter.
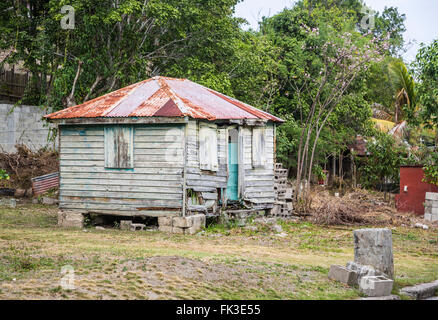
x: 421, y: 291
x: 342, y: 274
x: 374, y: 286
x: 373, y: 247
x: 70, y: 219
x: 182, y: 225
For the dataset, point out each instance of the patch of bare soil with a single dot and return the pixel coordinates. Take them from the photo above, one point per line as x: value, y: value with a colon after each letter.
x: 359, y: 207
x: 160, y: 277
x: 25, y: 164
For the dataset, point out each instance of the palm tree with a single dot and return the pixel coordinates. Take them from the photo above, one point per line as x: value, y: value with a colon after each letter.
x: 404, y: 89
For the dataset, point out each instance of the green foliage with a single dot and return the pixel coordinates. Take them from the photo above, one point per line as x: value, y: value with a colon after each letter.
x: 383, y: 162
x: 431, y: 169
x: 426, y: 65
x: 403, y: 86
x: 3, y: 175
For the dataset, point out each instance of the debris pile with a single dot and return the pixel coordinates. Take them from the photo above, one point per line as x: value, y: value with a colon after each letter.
x: 358, y: 207
x: 25, y: 164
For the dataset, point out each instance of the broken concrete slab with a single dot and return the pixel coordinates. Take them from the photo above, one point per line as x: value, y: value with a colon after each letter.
x: 373, y: 286
x: 391, y: 297
x: 362, y: 271
x: 342, y: 274
x: 421, y: 291
x: 373, y: 247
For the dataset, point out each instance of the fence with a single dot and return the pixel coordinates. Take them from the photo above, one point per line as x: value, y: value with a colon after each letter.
x: 12, y: 84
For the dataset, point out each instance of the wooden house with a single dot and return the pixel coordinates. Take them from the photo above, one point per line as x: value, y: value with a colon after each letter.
x: 164, y: 147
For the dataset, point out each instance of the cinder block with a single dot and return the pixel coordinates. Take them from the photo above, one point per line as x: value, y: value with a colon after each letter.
x: 342, y: 274
x: 431, y: 217
x: 376, y: 286
x: 431, y: 210
x: 431, y: 203
x: 178, y: 230
x: 432, y: 196
x: 70, y: 219
x: 165, y: 221
x: 183, y: 222
x: 125, y: 224
x: 165, y: 229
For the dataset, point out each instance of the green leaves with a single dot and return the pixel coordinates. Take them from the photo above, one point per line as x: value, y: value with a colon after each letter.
x: 426, y: 65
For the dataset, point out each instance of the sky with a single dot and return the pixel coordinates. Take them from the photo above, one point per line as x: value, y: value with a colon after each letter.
x: 421, y: 17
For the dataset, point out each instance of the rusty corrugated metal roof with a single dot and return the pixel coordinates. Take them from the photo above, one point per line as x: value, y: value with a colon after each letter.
x: 164, y: 97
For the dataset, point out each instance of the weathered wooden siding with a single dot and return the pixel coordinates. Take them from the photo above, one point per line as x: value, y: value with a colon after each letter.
x: 153, y: 187
x: 258, y: 183
x: 206, y: 182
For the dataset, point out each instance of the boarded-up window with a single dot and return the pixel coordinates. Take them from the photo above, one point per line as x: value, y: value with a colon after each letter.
x: 208, y: 155
x: 258, y: 147
x: 119, y: 145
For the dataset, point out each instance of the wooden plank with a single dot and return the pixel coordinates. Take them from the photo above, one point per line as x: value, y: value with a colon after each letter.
x: 66, y: 139
x: 154, y: 171
x: 126, y: 203
x: 209, y: 196
x: 121, y: 195
x: 65, y: 149
x: 116, y: 176
x: 67, y: 186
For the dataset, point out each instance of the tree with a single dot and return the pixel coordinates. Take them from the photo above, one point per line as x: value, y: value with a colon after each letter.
x: 114, y: 43
x: 383, y: 162
x: 426, y: 65
x: 404, y: 88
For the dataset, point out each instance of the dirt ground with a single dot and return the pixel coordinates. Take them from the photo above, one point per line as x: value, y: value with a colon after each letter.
x: 251, y: 262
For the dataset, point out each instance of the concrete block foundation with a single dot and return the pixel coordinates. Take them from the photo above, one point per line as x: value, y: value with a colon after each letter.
x: 182, y: 225
x: 70, y: 219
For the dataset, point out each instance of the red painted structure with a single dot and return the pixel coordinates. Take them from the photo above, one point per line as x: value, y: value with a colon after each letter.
x: 412, y: 200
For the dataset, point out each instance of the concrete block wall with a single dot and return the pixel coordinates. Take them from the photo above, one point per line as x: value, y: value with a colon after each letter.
x: 431, y: 207
x: 24, y: 125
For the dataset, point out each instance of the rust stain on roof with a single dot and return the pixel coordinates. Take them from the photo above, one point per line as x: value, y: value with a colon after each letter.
x: 164, y: 97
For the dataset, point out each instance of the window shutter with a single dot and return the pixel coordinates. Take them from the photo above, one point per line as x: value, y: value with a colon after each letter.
x: 119, y: 145
x: 208, y: 153
x: 258, y: 147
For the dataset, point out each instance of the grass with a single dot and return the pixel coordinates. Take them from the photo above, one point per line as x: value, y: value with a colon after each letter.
x: 220, y: 263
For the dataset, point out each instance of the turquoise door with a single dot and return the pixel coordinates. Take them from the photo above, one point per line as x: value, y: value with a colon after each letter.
x: 233, y: 167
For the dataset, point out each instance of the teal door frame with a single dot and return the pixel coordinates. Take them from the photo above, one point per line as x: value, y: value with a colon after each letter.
x: 233, y: 166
